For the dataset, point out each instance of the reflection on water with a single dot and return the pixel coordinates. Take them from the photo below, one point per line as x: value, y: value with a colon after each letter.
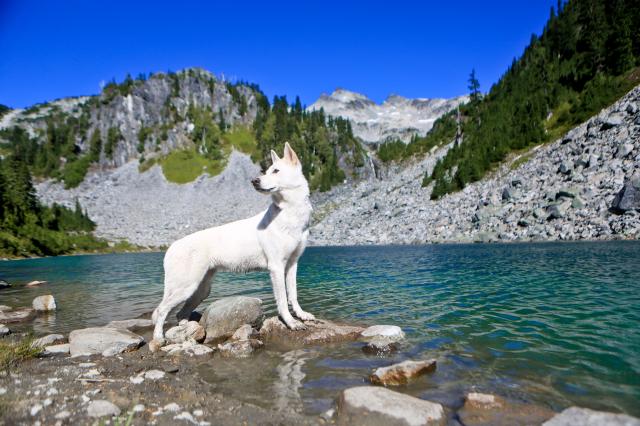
x: 555, y: 323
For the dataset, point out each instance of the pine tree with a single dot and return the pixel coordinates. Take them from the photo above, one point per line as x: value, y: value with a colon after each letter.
x: 474, y: 87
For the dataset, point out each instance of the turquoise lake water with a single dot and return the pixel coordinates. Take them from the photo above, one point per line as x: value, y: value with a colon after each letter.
x: 553, y: 323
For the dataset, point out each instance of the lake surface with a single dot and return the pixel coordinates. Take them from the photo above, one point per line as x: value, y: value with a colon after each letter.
x: 553, y: 323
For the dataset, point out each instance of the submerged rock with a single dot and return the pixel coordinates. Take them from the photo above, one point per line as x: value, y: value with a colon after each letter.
x: 36, y: 283
x: 583, y: 416
x: 317, y: 331
x: 223, y: 317
x: 481, y: 409
x: 399, y: 374
x: 184, y: 331
x: 4, y: 284
x: 132, y: 324
x: 103, y: 340
x: 379, y: 346
x: 4, y: 330
x: 44, y: 303
x: 371, y: 405
x: 239, y: 348
x: 16, y: 315
x: 101, y: 408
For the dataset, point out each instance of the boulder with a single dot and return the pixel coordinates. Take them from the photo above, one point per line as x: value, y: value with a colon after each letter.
x: 61, y: 349
x: 223, y: 317
x: 624, y: 150
x: 585, y: 417
x: 566, y: 193
x: 481, y: 409
x: 557, y: 210
x: 4, y: 284
x: 239, y: 348
x: 44, y: 303
x: 632, y: 108
x: 36, y: 283
x: 613, y: 120
x: 103, y: 340
x: 400, y: 374
x: 377, y: 406
x: 566, y: 167
x: 392, y: 333
x: 132, y: 324
x: 245, y: 332
x: 101, y: 408
x: 184, y: 331
x: 628, y: 198
x: 316, y: 332
x: 47, y: 340
x: 5, y: 308
x: 380, y: 347
x: 16, y: 315
x: 4, y: 330
x: 190, y: 348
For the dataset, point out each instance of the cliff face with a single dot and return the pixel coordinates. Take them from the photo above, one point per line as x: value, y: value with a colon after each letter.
x: 396, y: 118
x: 582, y: 186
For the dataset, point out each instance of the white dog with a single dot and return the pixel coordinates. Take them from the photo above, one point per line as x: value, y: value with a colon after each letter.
x: 272, y: 240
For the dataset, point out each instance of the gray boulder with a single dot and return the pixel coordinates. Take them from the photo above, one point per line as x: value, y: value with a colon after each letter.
x: 377, y: 406
x: 44, y: 303
x: 316, y: 332
x: 400, y: 374
x: 47, y: 340
x: 61, y: 349
x: 624, y: 150
x: 132, y: 324
x: 103, y: 340
x: 16, y: 315
x: 184, y: 331
x: 566, y: 167
x: 557, y: 210
x: 613, y: 120
x: 628, y: 198
x: 223, y: 317
x: 101, y: 408
x: 585, y: 417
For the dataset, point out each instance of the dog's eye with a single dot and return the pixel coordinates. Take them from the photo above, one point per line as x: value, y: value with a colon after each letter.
x: 275, y: 171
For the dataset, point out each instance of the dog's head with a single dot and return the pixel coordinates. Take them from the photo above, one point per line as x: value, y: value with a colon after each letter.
x: 284, y: 173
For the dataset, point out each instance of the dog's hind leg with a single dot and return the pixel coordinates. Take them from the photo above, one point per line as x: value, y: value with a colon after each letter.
x: 196, y: 298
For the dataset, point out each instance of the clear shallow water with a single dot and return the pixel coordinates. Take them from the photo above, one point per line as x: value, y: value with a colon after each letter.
x: 553, y: 323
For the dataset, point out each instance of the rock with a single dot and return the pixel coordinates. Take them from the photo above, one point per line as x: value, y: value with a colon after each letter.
x: 392, y: 333
x: 628, y: 198
x: 399, y: 374
x: 36, y: 283
x: 557, y: 210
x: 61, y: 349
x: 4, y: 284
x: 243, y: 333
x: 239, y: 348
x: 379, y: 346
x: 172, y: 407
x: 48, y: 340
x: 223, y: 317
x: 624, y: 150
x: 566, y: 193
x: 184, y: 331
x: 4, y: 308
x: 138, y: 408
x: 103, y: 340
x: 101, y: 408
x: 566, y: 167
x: 16, y: 315
x: 190, y: 348
x: 508, y: 194
x: 62, y: 415
x: 613, y: 120
x: 632, y: 108
x: 371, y: 405
x: 132, y: 324
x: 154, y: 374
x: 4, y: 330
x: 44, y: 303
x: 481, y: 409
x: 585, y: 417
x: 317, y: 331
x: 577, y: 203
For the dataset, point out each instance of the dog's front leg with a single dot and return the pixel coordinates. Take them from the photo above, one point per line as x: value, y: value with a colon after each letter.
x: 280, y: 294
x: 292, y: 293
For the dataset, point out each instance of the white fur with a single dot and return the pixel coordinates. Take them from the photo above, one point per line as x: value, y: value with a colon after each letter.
x: 273, y: 239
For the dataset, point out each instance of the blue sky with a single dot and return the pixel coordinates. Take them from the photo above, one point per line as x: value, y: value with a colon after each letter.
x: 52, y: 49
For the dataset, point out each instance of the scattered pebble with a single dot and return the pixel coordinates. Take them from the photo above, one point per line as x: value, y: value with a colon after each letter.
x: 63, y: 415
x: 36, y: 409
x: 138, y: 408
x: 154, y: 374
x: 100, y: 408
x: 172, y: 407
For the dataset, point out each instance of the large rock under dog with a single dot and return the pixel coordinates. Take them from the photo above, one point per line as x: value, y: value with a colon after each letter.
x: 102, y: 340
x: 317, y: 332
x: 223, y: 317
x: 376, y: 406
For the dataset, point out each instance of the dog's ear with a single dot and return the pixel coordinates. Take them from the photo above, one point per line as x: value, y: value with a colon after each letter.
x: 274, y: 156
x: 290, y: 155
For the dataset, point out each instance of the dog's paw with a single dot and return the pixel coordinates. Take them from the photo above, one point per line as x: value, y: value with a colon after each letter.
x: 295, y: 325
x: 155, y: 344
x: 305, y: 316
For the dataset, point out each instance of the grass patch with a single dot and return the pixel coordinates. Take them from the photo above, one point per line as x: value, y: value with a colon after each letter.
x: 242, y: 139
x: 520, y: 161
x: 13, y: 353
x: 146, y: 165
x: 183, y: 166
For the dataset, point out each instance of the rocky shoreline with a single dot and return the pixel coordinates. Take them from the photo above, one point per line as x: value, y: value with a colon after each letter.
x: 108, y: 373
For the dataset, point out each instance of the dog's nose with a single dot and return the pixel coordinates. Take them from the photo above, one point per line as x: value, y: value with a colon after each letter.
x: 255, y: 181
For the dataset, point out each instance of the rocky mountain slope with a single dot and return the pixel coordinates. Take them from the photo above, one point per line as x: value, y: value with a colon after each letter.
x: 566, y: 190
x: 396, y: 118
